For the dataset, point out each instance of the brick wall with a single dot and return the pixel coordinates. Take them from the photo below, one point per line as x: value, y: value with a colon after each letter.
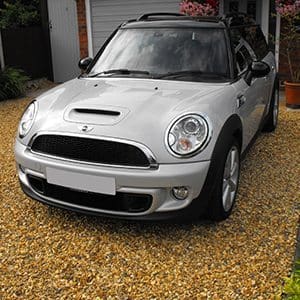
x: 82, y: 28
x: 284, y: 71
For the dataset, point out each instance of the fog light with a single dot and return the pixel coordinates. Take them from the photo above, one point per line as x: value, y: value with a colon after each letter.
x: 180, y: 192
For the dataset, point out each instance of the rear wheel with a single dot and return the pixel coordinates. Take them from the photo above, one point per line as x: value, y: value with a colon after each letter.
x: 272, y: 117
x: 226, y: 183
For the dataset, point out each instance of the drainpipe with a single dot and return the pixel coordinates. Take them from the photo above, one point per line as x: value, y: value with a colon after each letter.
x: 265, y: 15
x: 89, y: 27
x: 277, y: 39
x: 1, y: 53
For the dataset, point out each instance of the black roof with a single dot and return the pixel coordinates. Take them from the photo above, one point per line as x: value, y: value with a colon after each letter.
x: 179, y: 20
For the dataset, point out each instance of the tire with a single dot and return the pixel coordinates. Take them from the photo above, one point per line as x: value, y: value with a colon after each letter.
x: 226, y: 182
x: 271, y: 120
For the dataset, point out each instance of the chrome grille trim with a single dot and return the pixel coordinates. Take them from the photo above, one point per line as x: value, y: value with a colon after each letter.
x: 150, y: 156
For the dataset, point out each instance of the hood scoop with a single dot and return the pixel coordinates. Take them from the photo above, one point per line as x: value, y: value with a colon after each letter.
x: 94, y: 114
x: 97, y: 112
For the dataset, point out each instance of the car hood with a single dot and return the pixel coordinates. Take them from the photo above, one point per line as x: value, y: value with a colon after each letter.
x: 138, y: 110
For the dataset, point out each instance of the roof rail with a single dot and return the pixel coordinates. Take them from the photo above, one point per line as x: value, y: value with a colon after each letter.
x: 146, y: 16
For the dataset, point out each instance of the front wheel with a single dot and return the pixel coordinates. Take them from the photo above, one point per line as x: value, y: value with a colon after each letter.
x: 226, y: 184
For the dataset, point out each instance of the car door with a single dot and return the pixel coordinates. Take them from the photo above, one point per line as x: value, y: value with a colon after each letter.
x: 251, y: 99
x: 261, y: 52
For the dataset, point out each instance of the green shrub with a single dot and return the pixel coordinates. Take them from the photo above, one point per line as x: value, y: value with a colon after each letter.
x: 12, y: 83
x: 19, y: 14
x: 291, y: 289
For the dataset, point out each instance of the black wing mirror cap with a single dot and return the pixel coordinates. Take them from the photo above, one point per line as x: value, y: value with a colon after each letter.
x: 84, y: 63
x: 259, y: 69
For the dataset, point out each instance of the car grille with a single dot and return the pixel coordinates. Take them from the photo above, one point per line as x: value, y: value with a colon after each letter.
x: 121, y: 202
x: 90, y: 150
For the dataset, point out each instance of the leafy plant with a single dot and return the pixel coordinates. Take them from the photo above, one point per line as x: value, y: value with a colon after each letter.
x: 12, y: 83
x: 297, y: 76
x: 18, y: 13
x: 199, y: 8
x: 291, y: 289
x: 290, y: 37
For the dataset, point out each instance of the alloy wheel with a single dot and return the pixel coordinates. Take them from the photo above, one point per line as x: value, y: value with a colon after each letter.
x: 230, y: 178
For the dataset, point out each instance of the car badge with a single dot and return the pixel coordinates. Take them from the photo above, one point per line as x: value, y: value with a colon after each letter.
x: 85, y: 128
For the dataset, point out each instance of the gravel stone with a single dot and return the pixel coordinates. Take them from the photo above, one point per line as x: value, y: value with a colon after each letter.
x: 48, y: 253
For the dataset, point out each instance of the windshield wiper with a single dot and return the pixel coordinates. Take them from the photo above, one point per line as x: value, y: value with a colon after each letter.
x: 120, y: 71
x: 179, y: 73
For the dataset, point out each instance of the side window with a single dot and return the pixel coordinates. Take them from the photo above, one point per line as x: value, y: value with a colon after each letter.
x: 243, y: 54
x: 235, y: 37
x: 243, y: 59
x: 256, y: 39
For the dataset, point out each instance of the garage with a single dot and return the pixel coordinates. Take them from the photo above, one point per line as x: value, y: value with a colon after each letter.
x: 106, y: 15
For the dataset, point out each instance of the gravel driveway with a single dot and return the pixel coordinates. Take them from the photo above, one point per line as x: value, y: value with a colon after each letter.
x: 47, y: 253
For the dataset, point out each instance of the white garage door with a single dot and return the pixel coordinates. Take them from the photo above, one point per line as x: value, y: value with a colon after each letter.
x: 106, y: 15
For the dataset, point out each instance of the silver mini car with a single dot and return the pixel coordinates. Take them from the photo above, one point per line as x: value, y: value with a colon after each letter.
x: 156, y: 124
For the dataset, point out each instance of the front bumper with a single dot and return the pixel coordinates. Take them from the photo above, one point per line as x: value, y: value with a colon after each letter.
x: 158, y: 183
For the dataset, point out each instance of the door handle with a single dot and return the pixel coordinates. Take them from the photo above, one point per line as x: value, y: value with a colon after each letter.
x: 241, y: 99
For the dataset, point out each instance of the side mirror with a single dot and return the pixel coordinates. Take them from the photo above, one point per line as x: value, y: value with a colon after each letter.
x: 259, y: 69
x: 84, y: 63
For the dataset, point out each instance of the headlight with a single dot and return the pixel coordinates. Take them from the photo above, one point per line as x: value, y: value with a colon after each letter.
x: 27, y: 119
x: 188, y: 135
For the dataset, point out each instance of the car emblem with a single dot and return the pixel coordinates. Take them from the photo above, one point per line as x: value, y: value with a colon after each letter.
x: 85, y: 128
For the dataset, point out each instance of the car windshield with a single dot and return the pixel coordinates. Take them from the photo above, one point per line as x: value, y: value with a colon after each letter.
x: 165, y: 53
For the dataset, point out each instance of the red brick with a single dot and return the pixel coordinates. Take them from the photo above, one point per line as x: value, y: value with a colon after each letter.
x: 284, y: 71
x: 82, y: 28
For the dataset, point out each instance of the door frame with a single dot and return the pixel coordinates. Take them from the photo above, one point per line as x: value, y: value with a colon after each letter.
x: 46, y: 32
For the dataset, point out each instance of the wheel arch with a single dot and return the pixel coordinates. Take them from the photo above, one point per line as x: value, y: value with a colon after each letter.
x: 232, y: 129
